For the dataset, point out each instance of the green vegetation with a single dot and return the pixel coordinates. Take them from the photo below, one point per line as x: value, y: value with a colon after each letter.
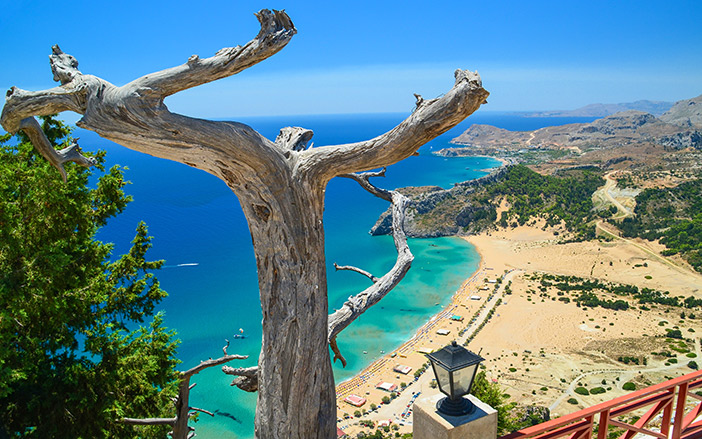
x: 633, y: 360
x: 572, y: 401
x: 673, y: 216
x: 629, y: 386
x: 597, y: 390
x: 581, y: 391
x: 673, y: 333
x: 588, y: 287
x: 77, y: 352
x: 556, y: 199
x: 565, y: 198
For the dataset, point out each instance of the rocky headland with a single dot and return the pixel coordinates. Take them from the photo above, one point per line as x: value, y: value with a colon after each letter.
x: 435, y: 212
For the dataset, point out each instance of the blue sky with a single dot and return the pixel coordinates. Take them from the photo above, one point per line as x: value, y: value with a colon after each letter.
x: 370, y: 56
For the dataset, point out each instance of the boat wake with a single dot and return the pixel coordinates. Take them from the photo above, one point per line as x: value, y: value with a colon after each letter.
x: 188, y: 264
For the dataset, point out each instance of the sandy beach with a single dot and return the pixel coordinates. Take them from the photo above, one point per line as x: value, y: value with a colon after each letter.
x: 536, y: 347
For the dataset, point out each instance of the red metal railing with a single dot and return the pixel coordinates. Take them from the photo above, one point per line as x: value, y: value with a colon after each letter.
x: 668, y: 398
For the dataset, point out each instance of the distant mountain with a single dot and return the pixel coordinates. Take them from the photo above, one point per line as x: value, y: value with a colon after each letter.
x: 656, y: 108
x: 687, y: 113
x: 618, y: 129
x: 626, y: 140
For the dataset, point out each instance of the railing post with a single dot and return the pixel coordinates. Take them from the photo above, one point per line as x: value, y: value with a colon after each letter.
x: 679, y: 410
x: 667, y: 413
x: 604, y: 424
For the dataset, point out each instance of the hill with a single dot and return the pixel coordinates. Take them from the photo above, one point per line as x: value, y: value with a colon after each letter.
x: 631, y: 140
x: 656, y: 108
x: 687, y: 113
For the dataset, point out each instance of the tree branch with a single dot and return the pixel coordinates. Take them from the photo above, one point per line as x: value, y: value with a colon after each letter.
x: 41, y: 143
x: 210, y: 363
x: 149, y: 421
x: 429, y: 119
x: 360, y: 303
x: 21, y: 104
x: 276, y: 31
x: 248, y: 377
x: 195, y: 409
x: 357, y: 270
x: 183, y: 409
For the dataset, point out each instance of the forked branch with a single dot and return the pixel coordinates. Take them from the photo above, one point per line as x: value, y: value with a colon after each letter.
x: 360, y: 303
x: 41, y: 143
x: 184, y: 411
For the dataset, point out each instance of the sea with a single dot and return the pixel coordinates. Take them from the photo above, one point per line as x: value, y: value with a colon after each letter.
x: 198, y: 228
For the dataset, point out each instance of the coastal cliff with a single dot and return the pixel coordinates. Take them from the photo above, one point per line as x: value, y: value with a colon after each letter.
x: 451, y: 209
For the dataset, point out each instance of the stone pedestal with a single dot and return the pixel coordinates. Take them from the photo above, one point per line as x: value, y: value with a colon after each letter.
x: 428, y: 423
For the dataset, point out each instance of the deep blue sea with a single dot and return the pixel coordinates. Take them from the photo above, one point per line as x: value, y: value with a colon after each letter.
x: 210, y: 272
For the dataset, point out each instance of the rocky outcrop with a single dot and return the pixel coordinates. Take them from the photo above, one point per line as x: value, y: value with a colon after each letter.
x: 450, y: 210
x: 526, y: 416
x: 687, y: 113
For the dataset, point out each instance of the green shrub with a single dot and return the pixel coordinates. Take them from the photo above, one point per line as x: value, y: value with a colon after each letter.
x: 674, y: 333
x: 572, y: 401
x: 597, y: 390
x: 581, y: 391
x: 629, y: 386
x: 692, y: 365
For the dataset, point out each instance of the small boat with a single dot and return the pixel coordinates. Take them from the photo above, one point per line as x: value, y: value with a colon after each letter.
x: 240, y: 334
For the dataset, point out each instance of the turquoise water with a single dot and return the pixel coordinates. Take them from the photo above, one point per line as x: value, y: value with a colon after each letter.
x: 196, y: 220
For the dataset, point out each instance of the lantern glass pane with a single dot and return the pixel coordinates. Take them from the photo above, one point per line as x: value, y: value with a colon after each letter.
x: 442, y: 377
x: 462, y: 379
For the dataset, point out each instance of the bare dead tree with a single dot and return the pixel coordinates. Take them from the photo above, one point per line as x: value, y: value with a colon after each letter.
x: 280, y: 186
x: 181, y: 429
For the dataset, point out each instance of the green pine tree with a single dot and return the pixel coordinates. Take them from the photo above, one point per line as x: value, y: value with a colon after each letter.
x: 77, y: 352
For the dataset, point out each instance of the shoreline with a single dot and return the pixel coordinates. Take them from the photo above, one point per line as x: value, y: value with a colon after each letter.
x: 556, y: 330
x: 411, y: 353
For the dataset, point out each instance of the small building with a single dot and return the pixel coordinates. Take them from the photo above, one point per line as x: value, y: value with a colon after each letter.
x: 402, y: 369
x: 388, y: 387
x: 492, y: 281
x: 474, y: 297
x: 485, y: 288
x: 355, y: 400
x: 340, y: 433
x: 456, y: 318
x: 385, y: 423
x: 443, y: 331
x: 425, y: 350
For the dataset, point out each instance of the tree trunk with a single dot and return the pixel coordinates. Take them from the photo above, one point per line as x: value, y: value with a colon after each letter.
x: 296, y: 394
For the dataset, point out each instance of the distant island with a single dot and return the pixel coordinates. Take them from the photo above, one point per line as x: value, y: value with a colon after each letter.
x: 656, y: 108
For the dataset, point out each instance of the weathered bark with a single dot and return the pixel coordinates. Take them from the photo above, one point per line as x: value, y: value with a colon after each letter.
x: 280, y: 186
x: 184, y: 411
x: 247, y: 377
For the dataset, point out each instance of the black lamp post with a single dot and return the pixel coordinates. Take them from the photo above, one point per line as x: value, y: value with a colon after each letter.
x: 455, y: 367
